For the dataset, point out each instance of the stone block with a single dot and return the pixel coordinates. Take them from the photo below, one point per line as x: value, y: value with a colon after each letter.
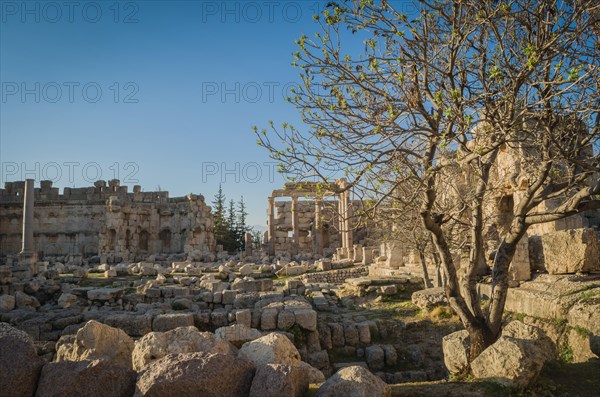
x: 167, y: 322
x: 244, y: 317
x: 571, y: 251
x: 228, y: 297
x: 268, y: 319
x: 375, y: 357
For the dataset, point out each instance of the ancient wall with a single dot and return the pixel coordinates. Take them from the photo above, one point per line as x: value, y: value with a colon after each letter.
x: 107, y: 220
x: 336, y: 276
x: 306, y: 221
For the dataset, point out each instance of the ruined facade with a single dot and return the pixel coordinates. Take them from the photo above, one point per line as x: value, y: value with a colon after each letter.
x: 108, y: 221
x: 313, y: 219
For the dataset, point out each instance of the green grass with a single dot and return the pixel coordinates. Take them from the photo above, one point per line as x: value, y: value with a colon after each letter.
x: 392, y: 310
x: 496, y: 389
x: 566, y: 354
x: 588, y: 295
x: 583, y: 332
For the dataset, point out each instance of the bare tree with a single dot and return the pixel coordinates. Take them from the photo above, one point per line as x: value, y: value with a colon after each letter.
x: 435, y: 103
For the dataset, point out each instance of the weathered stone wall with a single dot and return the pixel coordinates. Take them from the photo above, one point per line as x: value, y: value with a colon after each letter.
x: 306, y: 220
x: 107, y: 220
x: 336, y: 276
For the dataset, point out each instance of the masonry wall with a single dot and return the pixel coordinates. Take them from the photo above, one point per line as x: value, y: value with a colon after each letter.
x: 106, y: 220
x: 306, y: 218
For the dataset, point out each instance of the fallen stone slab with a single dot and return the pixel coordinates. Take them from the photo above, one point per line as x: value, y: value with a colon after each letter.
x: 96, y: 341
x: 354, y: 381
x: 98, y: 378
x: 20, y: 365
x: 196, y: 374
x: 429, y: 298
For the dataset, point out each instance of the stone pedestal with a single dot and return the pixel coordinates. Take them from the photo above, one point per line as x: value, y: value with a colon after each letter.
x: 367, y: 256
x: 358, y: 253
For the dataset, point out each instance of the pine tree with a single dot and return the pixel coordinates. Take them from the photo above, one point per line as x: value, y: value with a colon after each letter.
x: 231, y: 231
x: 220, y: 228
x: 241, y: 227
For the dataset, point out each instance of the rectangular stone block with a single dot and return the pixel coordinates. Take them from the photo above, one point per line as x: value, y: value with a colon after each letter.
x: 228, y: 297
x: 571, y: 251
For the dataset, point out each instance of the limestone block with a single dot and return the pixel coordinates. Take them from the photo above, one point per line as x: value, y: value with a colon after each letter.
x: 20, y: 365
x: 286, y: 319
x: 244, y: 317
x: 133, y: 325
x: 375, y: 357
x: 429, y: 298
x: 86, y: 378
x: 155, y: 345
x: 67, y: 300
x: 238, y: 334
x: 7, y: 303
x: 24, y: 300
x: 196, y: 374
x: 98, y: 341
x: 272, y: 348
x: 456, y: 351
x: 306, y: 318
x: 510, y: 362
x: 166, y: 322
x: 105, y: 294
x: 586, y: 313
x: 571, y: 251
x: 351, y: 334
x: 391, y: 356
x: 268, y: 319
x: 228, y: 297
x: 276, y: 380
x: 354, y: 381
x: 364, y: 333
x: 337, y: 334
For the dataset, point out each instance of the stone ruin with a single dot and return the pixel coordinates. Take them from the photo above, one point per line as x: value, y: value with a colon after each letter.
x: 149, y: 307
x: 104, y: 221
x: 319, y: 224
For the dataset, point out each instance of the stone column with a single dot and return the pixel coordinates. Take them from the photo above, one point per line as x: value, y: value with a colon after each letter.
x: 341, y: 215
x: 295, y: 226
x: 271, y: 225
x: 349, y: 215
x: 318, y: 237
x: 248, y: 243
x: 27, y: 237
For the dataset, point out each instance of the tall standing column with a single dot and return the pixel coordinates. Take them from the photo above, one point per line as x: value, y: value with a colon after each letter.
x: 271, y: 225
x: 27, y: 237
x: 295, y: 226
x: 318, y: 232
x: 341, y: 219
x: 349, y: 215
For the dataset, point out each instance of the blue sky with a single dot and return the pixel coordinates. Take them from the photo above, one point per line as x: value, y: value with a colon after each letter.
x: 158, y: 93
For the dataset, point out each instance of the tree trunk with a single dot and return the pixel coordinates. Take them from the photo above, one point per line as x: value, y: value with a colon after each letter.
x: 425, y: 272
x: 480, y: 338
x: 504, y: 256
